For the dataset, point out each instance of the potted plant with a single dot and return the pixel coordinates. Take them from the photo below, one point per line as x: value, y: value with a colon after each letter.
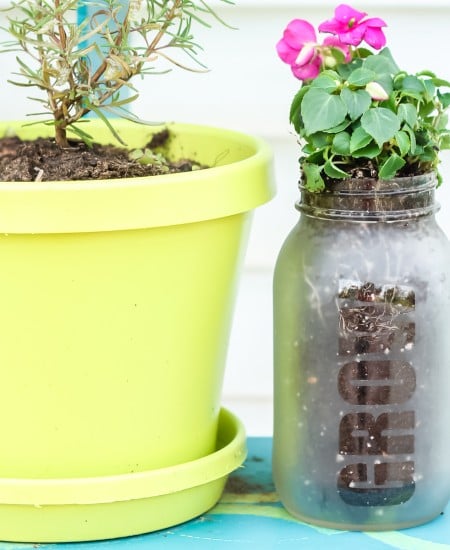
x: 117, y: 293
x: 362, y: 287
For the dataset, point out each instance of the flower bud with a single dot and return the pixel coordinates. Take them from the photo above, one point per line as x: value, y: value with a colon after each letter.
x: 114, y: 69
x: 376, y: 91
x: 136, y: 11
x: 63, y: 75
x: 329, y: 61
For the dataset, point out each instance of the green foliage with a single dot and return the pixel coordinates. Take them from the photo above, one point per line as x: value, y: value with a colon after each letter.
x: 147, y: 156
x: 370, y: 110
x: 128, y: 41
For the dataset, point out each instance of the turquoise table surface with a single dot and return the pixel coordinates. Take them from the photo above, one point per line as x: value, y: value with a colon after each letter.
x: 249, y: 515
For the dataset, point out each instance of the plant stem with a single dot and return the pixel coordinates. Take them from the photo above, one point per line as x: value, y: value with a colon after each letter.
x: 171, y: 14
x: 62, y: 51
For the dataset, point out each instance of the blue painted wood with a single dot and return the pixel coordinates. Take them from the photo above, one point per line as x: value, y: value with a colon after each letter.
x: 86, y: 10
x: 250, y: 516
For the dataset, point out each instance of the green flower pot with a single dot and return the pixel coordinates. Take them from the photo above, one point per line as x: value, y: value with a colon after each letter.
x: 117, y: 299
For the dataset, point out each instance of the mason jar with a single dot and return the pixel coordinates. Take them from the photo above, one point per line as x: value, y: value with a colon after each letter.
x: 362, y: 357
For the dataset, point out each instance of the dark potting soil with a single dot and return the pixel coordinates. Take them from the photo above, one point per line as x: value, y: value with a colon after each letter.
x: 43, y: 160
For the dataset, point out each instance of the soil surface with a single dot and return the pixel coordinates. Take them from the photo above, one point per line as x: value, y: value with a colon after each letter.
x: 43, y: 160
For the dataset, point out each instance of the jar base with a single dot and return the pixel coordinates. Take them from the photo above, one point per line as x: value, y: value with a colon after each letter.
x: 342, y: 526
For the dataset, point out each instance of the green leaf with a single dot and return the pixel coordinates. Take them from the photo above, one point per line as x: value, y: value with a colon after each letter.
x: 444, y: 99
x: 341, y: 144
x: 444, y: 142
x: 317, y: 157
x: 136, y: 154
x: 419, y: 150
x: 422, y: 137
x: 105, y: 120
x: 412, y: 138
x: 120, y: 112
x: 428, y: 154
x: 333, y: 74
x: 364, y: 52
x: 124, y: 100
x: 332, y: 171
x: 84, y: 136
x: 408, y: 113
x: 321, y: 111
x: 318, y: 140
x: 382, y: 124
x: 426, y: 73
x: 390, y: 103
x: 430, y: 88
x: 426, y: 108
x: 370, y: 151
x: 413, y: 84
x: 340, y: 127
x: 308, y: 149
x: 338, y: 55
x: 22, y: 84
x: 398, y: 79
x: 403, y: 142
x: 325, y: 82
x: 294, y: 114
x: 415, y: 95
x: 441, y: 122
x: 346, y: 69
x: 357, y: 102
x: 440, y: 82
x: 359, y: 139
x: 381, y: 63
x: 314, y: 181
x: 361, y: 77
x: 390, y: 167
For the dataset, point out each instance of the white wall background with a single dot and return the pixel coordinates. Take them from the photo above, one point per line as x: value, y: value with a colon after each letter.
x: 249, y: 89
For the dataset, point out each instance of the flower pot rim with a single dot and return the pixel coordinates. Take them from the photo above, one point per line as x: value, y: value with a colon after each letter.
x: 239, y: 180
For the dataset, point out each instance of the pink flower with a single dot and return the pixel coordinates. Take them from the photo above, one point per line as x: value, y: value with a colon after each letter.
x: 299, y: 49
x: 351, y: 28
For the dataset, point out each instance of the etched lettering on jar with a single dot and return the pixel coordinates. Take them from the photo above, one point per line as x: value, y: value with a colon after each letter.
x: 376, y: 381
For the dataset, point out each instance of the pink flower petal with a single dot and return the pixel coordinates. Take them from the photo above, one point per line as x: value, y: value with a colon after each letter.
x: 298, y: 32
x: 307, y: 72
x: 374, y: 22
x: 375, y: 37
x: 286, y: 53
x: 332, y: 26
x: 353, y: 37
x: 345, y: 13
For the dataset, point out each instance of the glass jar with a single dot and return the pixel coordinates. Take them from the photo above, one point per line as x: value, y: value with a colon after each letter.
x: 362, y: 357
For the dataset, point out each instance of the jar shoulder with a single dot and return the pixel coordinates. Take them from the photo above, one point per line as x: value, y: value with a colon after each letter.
x: 319, y: 246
